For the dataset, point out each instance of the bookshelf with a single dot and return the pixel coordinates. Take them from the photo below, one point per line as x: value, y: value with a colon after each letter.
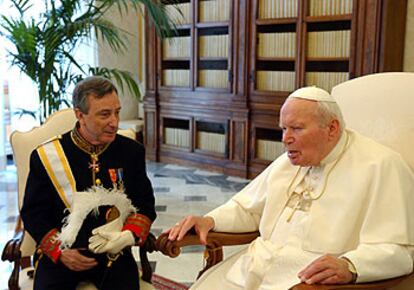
x: 176, y: 132
x: 267, y: 144
x: 212, y: 34
x: 215, y: 88
x: 210, y: 137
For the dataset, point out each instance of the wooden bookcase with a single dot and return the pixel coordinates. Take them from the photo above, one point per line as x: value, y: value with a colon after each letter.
x: 214, y: 90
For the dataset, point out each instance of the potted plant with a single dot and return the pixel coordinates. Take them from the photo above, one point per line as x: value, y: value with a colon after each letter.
x: 43, y: 47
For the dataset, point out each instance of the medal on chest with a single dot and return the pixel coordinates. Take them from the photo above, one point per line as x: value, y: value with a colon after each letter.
x: 117, y: 178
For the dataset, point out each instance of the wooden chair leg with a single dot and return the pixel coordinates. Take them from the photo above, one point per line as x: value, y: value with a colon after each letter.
x: 148, y: 247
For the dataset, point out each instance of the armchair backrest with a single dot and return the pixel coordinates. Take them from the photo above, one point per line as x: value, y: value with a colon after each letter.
x: 381, y: 106
x: 23, y: 143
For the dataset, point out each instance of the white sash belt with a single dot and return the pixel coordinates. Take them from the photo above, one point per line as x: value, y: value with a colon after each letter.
x: 57, y: 167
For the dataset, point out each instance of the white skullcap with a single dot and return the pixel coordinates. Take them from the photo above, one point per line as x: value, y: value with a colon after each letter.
x: 312, y: 93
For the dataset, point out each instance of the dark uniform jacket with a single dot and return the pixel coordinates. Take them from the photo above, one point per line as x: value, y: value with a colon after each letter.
x: 43, y: 210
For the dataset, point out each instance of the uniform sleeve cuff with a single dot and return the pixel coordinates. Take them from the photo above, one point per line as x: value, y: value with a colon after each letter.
x: 139, y: 225
x: 50, y: 246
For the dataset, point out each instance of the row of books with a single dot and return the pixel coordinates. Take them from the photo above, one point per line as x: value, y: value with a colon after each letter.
x: 269, y: 150
x: 266, y: 80
x: 213, y: 78
x: 176, y: 47
x: 320, y: 44
x: 214, y: 10
x: 211, y: 141
x: 214, y: 46
x: 173, y: 11
x: 326, y: 80
x: 176, y: 77
x: 275, y: 81
x: 176, y: 137
x: 277, y: 9
x: 329, y: 43
x: 329, y: 7
x: 277, y: 44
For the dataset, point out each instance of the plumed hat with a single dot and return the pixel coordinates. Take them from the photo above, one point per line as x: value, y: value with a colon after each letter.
x: 89, y: 202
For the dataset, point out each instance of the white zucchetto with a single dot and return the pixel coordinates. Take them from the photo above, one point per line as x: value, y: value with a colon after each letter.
x: 312, y: 93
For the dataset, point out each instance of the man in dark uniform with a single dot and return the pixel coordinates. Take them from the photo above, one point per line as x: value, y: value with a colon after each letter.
x: 92, y: 154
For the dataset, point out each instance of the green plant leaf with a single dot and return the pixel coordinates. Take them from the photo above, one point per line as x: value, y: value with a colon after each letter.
x: 43, y: 48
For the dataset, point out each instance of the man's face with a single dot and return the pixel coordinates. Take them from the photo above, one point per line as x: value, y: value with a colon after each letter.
x: 306, y: 141
x: 100, y: 124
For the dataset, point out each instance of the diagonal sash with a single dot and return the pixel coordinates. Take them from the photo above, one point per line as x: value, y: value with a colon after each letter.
x: 57, y: 167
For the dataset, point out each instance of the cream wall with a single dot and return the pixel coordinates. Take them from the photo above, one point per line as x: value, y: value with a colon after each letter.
x: 409, y: 38
x: 132, y: 60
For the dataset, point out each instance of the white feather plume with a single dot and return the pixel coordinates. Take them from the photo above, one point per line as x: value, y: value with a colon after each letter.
x: 86, y: 201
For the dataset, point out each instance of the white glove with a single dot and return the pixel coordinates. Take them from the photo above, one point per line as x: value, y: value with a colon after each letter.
x: 113, y: 226
x: 110, y: 242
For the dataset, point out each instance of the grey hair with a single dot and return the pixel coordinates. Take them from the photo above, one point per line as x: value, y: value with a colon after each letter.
x: 328, y: 111
x: 95, y: 86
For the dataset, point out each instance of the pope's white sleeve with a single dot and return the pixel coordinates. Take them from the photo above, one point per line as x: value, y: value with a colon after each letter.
x: 242, y: 213
x: 381, y: 261
x: 231, y: 217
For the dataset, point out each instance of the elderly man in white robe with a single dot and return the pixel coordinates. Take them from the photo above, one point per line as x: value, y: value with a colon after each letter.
x: 333, y: 209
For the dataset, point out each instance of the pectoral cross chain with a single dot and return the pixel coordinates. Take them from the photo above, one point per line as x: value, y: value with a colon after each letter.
x: 94, y: 166
x: 295, y: 208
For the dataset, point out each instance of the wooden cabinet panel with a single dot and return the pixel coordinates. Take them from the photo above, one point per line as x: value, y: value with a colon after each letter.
x: 231, y: 65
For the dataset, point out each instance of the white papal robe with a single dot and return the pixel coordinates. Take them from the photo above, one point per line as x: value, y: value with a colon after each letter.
x: 363, y: 213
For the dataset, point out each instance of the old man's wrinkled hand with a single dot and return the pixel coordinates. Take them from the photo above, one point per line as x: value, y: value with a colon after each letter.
x: 326, y: 270
x: 202, y: 225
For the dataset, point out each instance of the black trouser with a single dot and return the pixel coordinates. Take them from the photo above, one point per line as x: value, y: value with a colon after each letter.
x: 122, y: 275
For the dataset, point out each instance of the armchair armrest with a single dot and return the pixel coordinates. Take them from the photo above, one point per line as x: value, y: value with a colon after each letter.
x: 377, y: 285
x: 214, y: 255
x: 11, y: 253
x: 148, y: 247
x: 214, y: 247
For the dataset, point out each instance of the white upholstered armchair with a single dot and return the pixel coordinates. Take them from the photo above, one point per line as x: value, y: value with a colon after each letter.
x: 20, y: 249
x: 380, y: 106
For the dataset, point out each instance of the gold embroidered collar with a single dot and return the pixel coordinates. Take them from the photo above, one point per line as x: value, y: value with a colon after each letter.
x: 84, y: 145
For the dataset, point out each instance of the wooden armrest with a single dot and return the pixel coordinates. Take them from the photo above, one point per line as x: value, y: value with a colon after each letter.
x: 214, y: 255
x: 214, y: 240
x: 148, y: 247
x: 214, y: 246
x: 11, y: 253
x: 377, y: 285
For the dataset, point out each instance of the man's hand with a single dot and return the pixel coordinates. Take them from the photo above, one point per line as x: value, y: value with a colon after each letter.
x: 202, y: 226
x: 326, y: 270
x: 110, y: 242
x: 75, y: 261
